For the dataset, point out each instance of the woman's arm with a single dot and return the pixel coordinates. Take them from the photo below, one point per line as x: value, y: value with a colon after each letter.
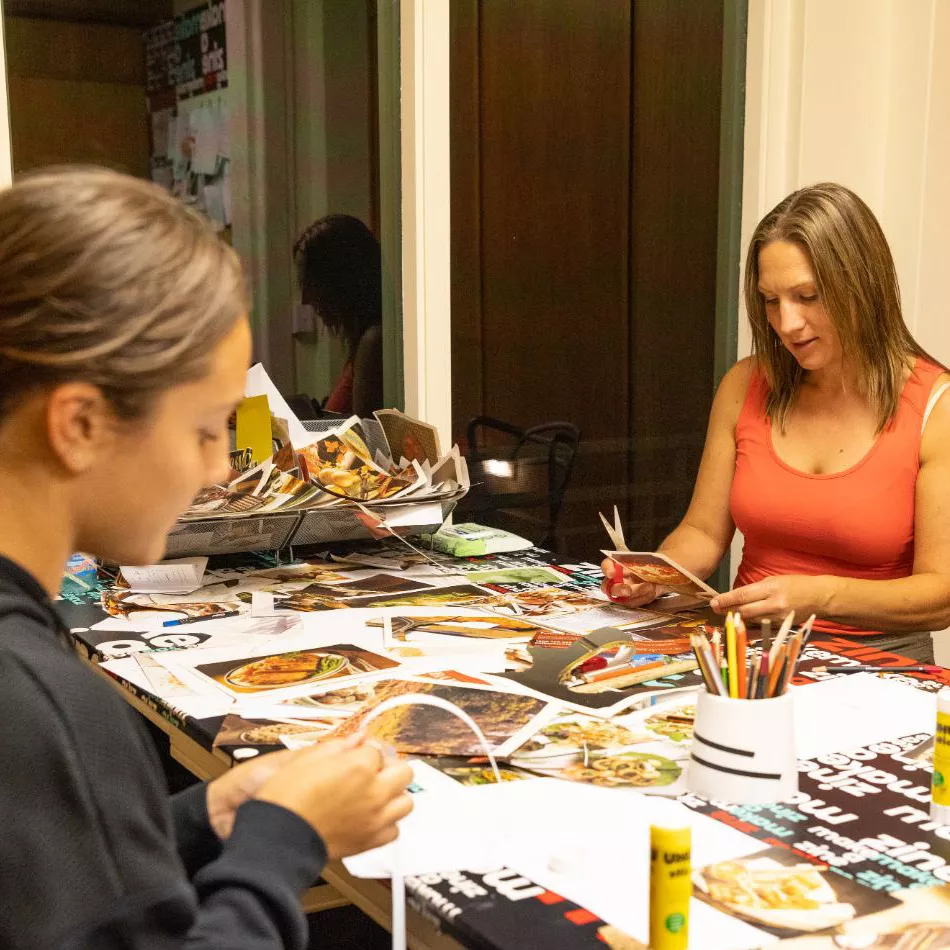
x: 701, y: 539
x: 918, y: 602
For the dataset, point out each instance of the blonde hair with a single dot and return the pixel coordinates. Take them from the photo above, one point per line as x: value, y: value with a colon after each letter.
x: 857, y: 284
x: 109, y: 280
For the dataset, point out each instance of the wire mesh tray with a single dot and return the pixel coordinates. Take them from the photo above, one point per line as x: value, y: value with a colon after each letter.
x: 275, y: 531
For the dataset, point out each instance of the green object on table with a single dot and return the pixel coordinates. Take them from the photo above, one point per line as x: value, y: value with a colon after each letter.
x: 475, y: 540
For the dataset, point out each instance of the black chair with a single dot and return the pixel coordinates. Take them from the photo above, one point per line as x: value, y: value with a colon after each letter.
x: 524, y: 470
x: 305, y: 407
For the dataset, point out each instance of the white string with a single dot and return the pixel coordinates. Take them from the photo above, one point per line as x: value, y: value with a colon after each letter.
x: 398, y: 879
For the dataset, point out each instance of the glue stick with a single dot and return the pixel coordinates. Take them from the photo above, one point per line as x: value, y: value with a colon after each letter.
x: 671, y: 887
x: 940, y: 803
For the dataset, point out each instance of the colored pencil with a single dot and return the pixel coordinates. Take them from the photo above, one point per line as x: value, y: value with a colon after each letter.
x: 764, y: 660
x: 715, y: 671
x: 777, y: 665
x: 794, y: 652
x: 611, y: 672
x: 731, y: 656
x: 783, y: 632
x: 742, y: 656
x: 722, y: 662
x: 869, y: 668
x: 806, y: 628
x: 706, y: 667
x: 754, y: 675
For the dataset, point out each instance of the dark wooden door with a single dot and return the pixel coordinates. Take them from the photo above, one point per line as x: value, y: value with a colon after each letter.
x: 584, y: 202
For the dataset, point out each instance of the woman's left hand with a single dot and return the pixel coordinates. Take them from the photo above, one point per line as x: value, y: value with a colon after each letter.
x: 228, y: 792
x: 774, y: 597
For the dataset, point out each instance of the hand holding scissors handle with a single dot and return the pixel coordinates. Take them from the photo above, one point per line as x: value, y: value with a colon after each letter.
x: 635, y: 594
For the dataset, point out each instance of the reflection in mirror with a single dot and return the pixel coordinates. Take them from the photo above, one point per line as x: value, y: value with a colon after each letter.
x: 585, y: 204
x: 265, y: 116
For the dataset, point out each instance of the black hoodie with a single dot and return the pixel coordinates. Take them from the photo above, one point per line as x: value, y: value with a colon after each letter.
x: 93, y: 853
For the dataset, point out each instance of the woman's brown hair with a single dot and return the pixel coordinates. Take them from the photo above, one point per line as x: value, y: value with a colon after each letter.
x: 107, y: 279
x: 857, y: 284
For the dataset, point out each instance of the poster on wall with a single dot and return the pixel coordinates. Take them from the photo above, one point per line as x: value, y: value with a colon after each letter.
x: 189, y: 109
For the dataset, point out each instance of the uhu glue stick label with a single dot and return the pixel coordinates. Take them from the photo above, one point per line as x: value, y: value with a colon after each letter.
x: 670, y: 888
x: 940, y: 805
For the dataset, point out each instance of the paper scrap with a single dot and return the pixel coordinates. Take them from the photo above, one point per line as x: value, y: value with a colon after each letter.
x: 254, y: 430
x: 857, y: 710
x: 176, y: 576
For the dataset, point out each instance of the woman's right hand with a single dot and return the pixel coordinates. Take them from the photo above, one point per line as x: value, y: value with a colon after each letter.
x: 352, y: 796
x: 621, y: 589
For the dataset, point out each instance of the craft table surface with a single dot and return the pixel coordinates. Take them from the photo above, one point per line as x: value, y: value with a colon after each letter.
x: 463, y: 911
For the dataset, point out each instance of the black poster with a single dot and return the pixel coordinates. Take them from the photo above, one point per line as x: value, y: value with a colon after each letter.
x: 201, y: 58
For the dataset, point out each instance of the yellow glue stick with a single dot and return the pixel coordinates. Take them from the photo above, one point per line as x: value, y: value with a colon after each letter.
x: 940, y: 803
x: 671, y: 887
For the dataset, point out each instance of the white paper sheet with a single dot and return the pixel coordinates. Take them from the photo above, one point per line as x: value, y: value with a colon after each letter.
x: 530, y: 826
x: 400, y: 516
x: 851, y: 711
x: 204, y: 125
x: 178, y: 576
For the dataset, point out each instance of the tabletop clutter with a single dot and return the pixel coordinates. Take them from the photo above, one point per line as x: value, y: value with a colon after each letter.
x: 636, y: 748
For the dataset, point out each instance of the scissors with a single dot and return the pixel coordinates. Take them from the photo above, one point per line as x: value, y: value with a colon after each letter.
x: 619, y: 543
x: 614, y: 532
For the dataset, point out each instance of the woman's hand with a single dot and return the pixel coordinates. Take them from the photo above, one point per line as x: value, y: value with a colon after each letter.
x: 774, y: 597
x: 618, y: 586
x: 352, y: 796
x: 228, y: 792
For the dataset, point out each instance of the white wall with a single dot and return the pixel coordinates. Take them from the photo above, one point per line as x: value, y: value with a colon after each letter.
x: 857, y: 91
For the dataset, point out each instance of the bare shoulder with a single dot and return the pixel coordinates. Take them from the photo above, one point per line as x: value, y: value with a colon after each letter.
x: 732, y: 390
x: 935, y: 440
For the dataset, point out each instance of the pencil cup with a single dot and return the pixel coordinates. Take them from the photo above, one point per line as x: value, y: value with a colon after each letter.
x: 743, y: 750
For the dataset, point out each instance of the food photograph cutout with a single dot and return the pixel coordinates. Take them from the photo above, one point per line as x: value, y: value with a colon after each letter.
x: 610, y: 753
x: 296, y: 668
x: 504, y: 718
x: 785, y: 894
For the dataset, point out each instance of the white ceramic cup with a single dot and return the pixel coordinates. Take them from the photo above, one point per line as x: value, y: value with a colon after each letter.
x: 743, y: 751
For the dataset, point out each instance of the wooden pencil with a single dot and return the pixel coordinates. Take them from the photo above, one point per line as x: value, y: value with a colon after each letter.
x: 777, y: 665
x: 695, y: 639
x: 707, y: 667
x: 783, y: 632
x: 754, y: 678
x: 764, y: 659
x: 794, y: 652
x: 732, y: 657
x: 742, y: 658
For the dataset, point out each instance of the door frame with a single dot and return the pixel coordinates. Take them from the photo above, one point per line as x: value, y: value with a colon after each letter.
x: 424, y: 46
x: 6, y: 152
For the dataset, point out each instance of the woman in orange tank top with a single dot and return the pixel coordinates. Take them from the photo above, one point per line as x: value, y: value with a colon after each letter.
x: 828, y: 448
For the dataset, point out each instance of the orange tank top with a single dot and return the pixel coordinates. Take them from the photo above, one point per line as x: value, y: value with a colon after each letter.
x: 856, y: 523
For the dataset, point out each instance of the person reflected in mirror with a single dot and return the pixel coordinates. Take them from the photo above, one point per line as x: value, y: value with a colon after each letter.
x: 339, y: 269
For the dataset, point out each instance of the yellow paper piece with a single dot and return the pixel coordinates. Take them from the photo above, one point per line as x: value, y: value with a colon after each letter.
x: 254, y: 428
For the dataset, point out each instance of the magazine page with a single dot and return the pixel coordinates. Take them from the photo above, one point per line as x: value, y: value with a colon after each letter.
x: 654, y: 568
x: 334, y: 462
x: 409, y: 438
